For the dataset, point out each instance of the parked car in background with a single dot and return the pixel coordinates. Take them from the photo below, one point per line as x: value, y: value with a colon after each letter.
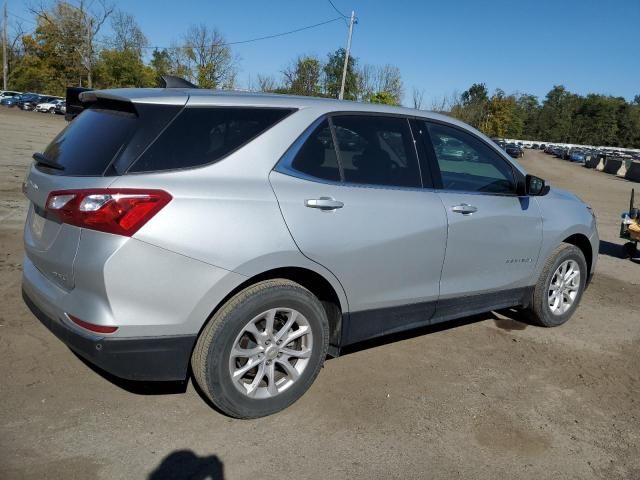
x: 514, y: 150
x: 61, y: 108
x: 8, y: 94
x: 32, y: 103
x: 49, y: 106
x: 179, y: 230
x: 13, y: 101
x: 535, y: 146
x: 577, y: 155
x: 543, y: 147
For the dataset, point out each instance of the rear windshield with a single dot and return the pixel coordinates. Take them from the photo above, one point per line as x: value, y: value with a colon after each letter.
x: 200, y: 136
x: 89, y: 143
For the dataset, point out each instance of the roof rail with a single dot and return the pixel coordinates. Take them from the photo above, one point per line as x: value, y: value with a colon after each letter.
x: 171, y: 81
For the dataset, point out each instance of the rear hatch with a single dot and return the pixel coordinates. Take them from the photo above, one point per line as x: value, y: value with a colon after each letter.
x: 91, y: 152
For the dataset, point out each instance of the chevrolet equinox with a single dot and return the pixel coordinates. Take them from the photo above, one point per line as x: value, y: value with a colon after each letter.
x: 246, y: 237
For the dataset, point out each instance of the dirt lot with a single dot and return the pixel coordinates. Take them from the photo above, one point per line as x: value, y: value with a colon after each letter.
x: 488, y: 397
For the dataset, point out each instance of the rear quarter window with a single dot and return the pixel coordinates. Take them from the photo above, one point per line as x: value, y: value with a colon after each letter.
x: 201, y: 136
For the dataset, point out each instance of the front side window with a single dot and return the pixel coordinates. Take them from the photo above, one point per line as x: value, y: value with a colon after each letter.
x: 376, y: 150
x: 468, y: 164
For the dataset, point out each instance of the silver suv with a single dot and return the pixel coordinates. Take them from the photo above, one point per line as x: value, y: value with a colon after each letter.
x: 246, y: 237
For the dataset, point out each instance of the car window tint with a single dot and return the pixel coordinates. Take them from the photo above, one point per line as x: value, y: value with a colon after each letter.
x: 468, y: 164
x: 89, y: 143
x: 200, y: 136
x: 377, y: 150
x: 317, y: 157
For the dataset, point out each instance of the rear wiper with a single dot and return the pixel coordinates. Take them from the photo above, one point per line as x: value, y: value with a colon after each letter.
x: 42, y: 160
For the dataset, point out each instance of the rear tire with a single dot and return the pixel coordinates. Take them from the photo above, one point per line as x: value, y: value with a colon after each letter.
x: 252, y: 329
x: 558, y: 291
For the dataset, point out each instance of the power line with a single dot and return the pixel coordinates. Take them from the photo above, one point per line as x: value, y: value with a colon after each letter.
x: 239, y: 42
x: 344, y: 17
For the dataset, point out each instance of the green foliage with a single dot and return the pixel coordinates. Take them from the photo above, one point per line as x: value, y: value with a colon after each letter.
x: 122, y: 68
x: 52, y: 59
x: 304, y: 77
x: 333, y: 76
x: 160, y: 62
x: 473, y: 106
x: 383, y: 97
x: 563, y: 117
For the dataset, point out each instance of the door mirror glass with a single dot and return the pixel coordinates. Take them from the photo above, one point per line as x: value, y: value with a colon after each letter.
x: 535, y: 185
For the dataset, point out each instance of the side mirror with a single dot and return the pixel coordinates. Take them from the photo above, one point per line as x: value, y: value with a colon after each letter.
x: 535, y: 186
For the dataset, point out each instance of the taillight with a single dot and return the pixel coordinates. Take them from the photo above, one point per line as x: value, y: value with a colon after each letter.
x: 120, y: 211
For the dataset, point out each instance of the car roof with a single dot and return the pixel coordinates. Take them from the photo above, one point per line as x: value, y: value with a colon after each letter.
x: 203, y: 97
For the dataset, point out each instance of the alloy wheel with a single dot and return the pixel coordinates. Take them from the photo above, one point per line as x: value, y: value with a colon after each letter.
x: 270, y: 353
x: 564, y: 287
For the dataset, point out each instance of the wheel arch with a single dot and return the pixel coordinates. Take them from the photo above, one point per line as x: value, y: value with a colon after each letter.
x: 582, y: 242
x: 333, y: 300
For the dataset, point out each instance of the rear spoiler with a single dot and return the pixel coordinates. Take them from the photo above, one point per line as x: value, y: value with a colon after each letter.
x: 74, y: 105
x: 75, y: 102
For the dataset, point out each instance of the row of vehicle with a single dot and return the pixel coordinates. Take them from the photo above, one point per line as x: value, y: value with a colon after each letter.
x: 514, y: 150
x: 580, y: 154
x: 36, y: 102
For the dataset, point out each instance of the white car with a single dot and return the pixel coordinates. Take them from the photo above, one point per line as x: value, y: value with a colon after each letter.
x: 8, y: 93
x: 49, y: 107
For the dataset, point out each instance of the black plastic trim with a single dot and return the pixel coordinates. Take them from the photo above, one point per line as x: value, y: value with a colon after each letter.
x: 368, y: 324
x: 163, y: 358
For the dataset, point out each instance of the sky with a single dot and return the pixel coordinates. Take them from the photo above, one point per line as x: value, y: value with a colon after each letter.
x: 441, y: 47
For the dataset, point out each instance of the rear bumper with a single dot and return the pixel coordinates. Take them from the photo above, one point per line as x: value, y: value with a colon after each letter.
x: 163, y: 358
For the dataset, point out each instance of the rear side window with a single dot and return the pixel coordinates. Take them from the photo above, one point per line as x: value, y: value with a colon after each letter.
x: 377, y: 150
x: 200, y: 136
x: 317, y: 157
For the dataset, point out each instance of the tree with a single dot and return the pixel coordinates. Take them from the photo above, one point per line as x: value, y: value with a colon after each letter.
x: 556, y: 115
x: 303, y: 77
x: 472, y: 105
x: 333, y: 75
x: 213, y: 62
x: 64, y: 38
x: 383, y: 97
x: 528, y: 111
x: 123, y: 68
x: 502, y: 119
x: 160, y: 62
x: 373, y: 79
x: 417, y: 97
x: 266, y: 83
x: 127, y: 35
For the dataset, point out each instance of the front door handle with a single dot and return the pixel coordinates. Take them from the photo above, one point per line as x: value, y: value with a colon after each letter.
x: 323, y: 203
x: 464, y: 208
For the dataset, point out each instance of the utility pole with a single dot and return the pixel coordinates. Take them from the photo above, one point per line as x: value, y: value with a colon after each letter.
x: 346, y: 57
x: 89, y: 52
x: 5, y: 61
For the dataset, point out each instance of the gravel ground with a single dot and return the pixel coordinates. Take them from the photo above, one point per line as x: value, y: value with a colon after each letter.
x: 486, y: 397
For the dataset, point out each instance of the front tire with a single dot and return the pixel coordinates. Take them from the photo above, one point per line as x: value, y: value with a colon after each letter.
x: 262, y: 349
x: 560, y: 286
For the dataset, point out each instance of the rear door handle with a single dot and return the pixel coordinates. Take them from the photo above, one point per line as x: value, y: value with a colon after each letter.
x: 323, y: 203
x: 464, y: 208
